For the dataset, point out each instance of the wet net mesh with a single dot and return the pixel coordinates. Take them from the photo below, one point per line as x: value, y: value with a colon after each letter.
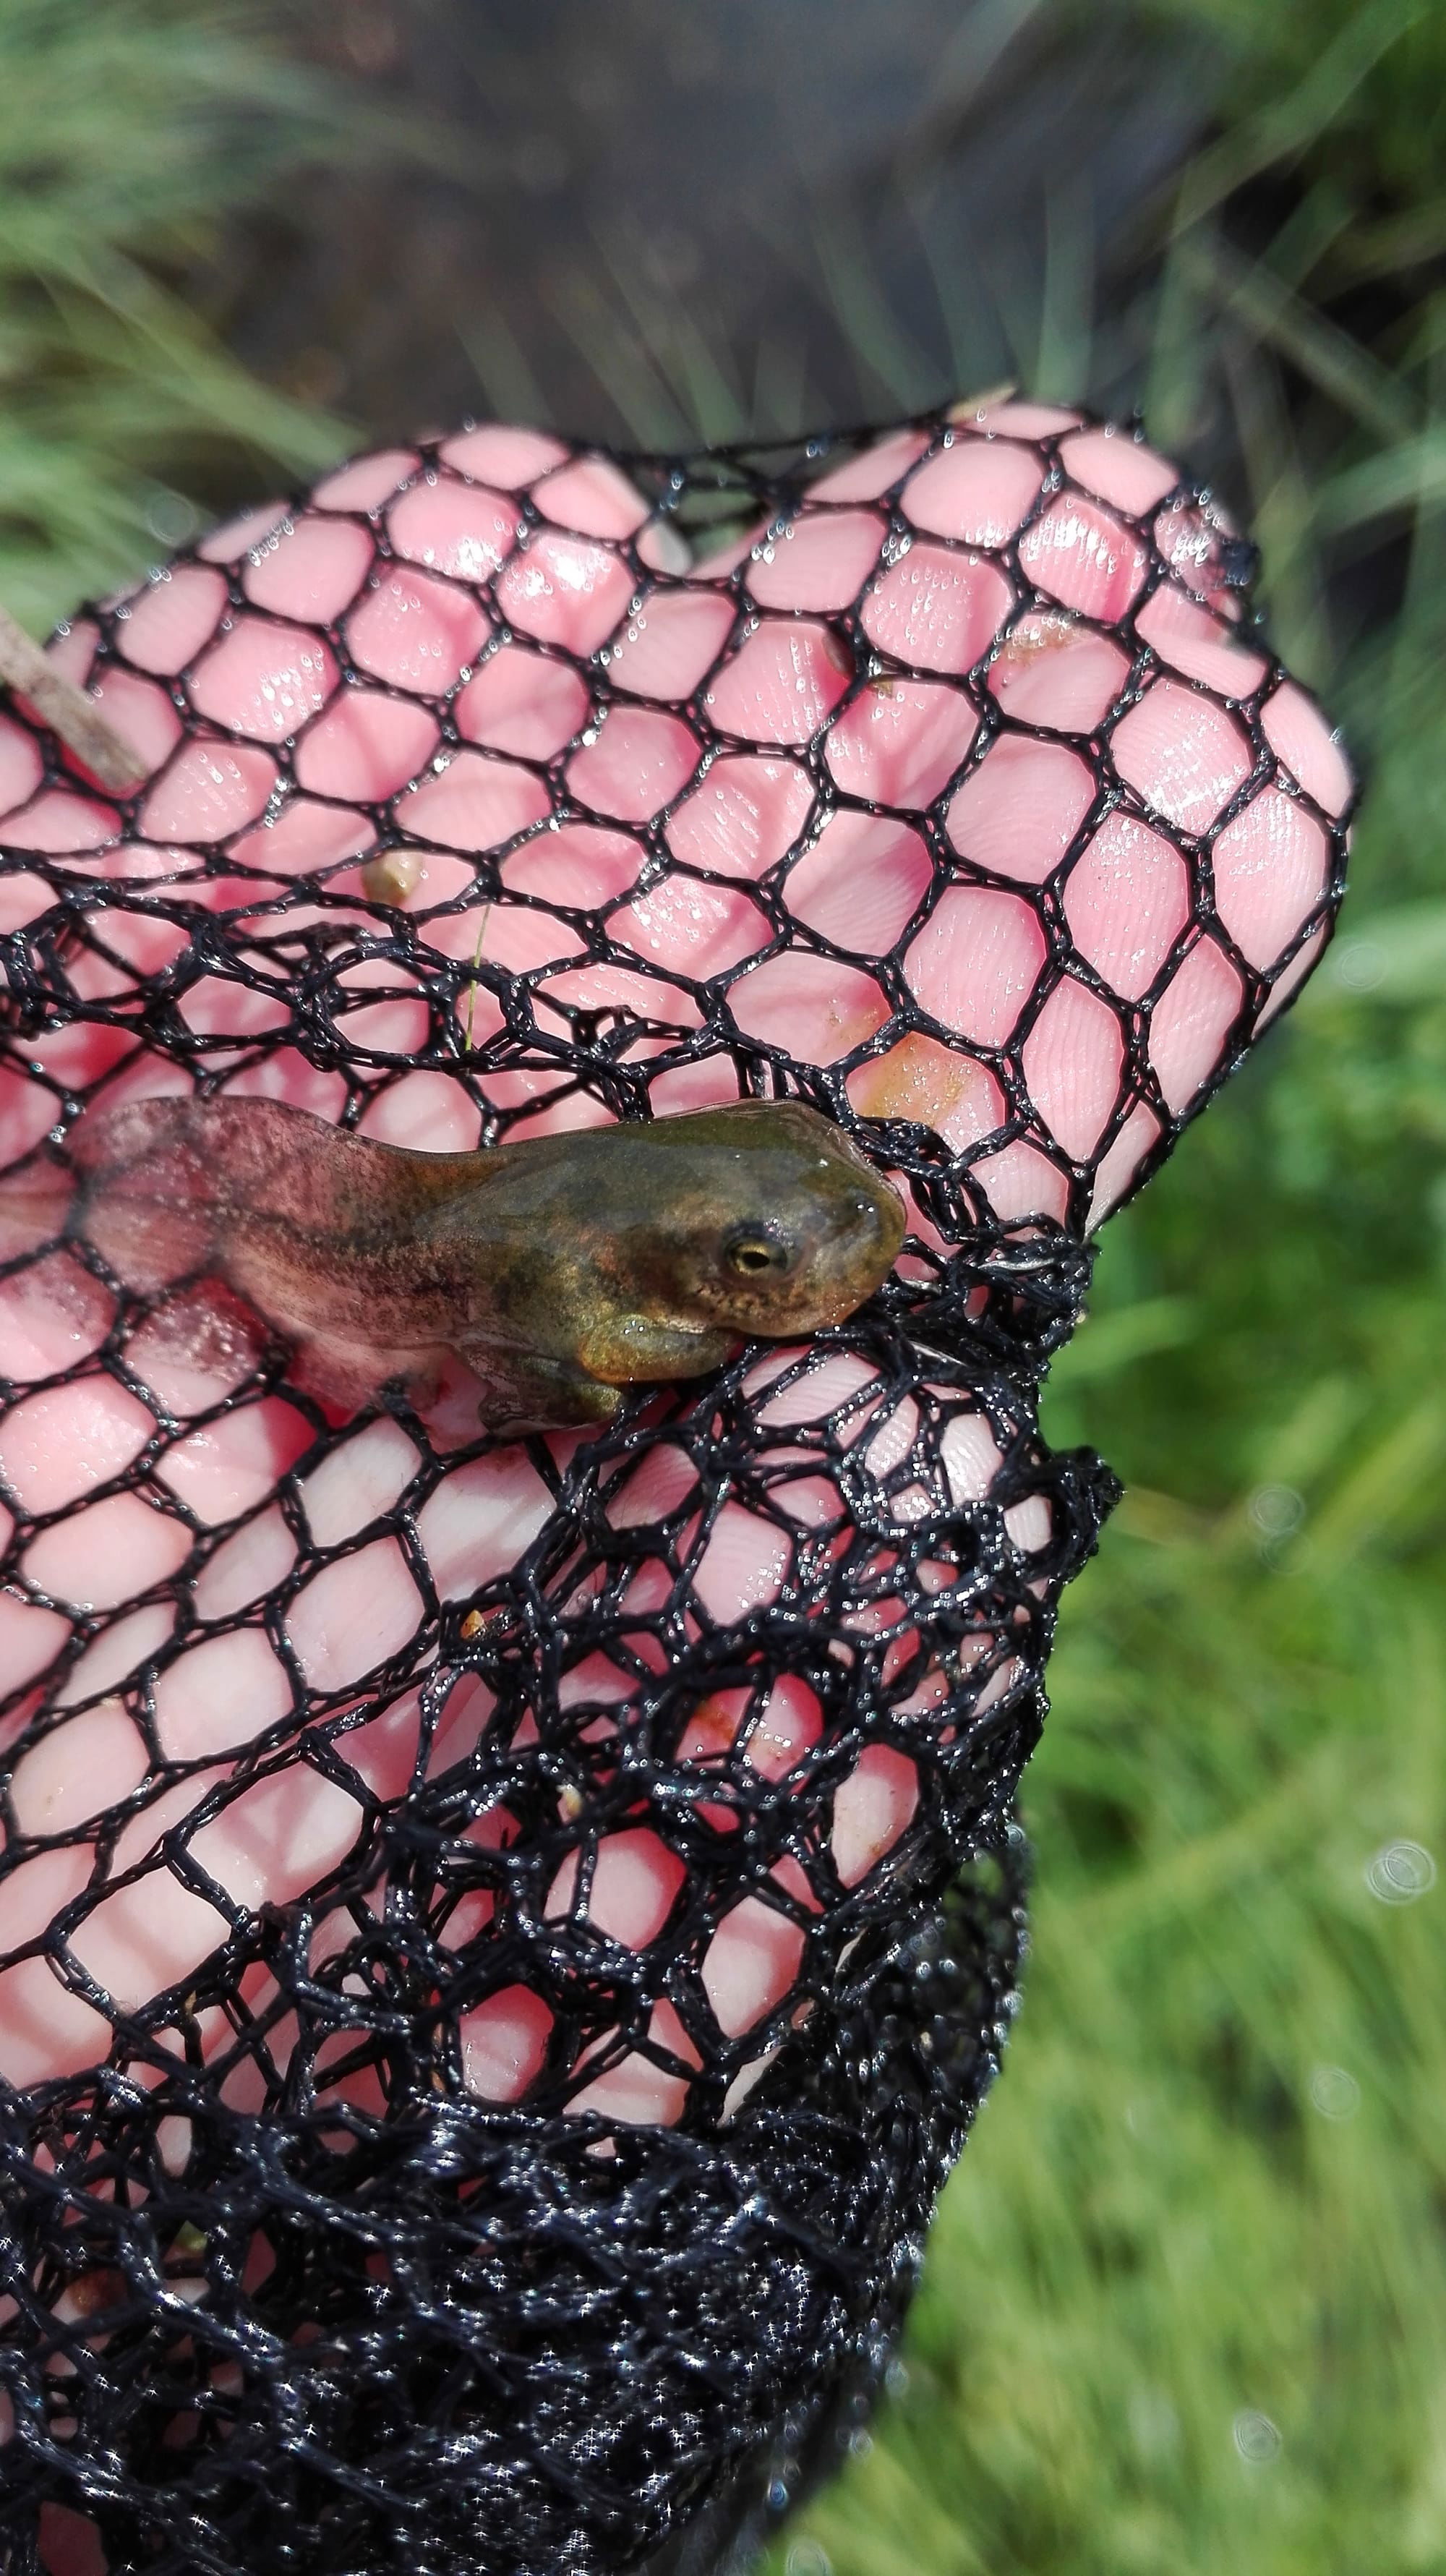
x: 391, y: 2179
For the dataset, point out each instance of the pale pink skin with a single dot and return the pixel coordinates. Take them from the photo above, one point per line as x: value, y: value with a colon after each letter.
x: 974, y: 963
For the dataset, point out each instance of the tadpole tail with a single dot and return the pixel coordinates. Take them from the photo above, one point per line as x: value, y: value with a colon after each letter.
x: 151, y: 1195
x: 299, y: 1215
x: 133, y: 1182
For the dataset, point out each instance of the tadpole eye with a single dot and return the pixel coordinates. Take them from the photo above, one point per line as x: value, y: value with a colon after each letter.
x: 752, y: 1251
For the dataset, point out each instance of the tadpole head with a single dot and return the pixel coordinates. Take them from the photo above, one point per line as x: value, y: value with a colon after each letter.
x: 785, y: 1226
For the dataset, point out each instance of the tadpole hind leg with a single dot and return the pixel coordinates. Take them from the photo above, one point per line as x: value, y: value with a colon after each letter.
x: 530, y: 1393
x: 348, y: 1376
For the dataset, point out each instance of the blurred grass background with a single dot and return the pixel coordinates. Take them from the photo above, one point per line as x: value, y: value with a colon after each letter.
x: 1185, y: 2304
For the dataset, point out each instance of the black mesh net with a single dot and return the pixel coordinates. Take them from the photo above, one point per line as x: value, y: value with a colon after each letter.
x: 502, y: 1941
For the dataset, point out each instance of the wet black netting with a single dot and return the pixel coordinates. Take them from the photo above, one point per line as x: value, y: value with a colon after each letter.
x: 502, y: 1942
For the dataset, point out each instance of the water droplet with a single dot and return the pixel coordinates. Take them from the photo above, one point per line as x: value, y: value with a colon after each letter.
x: 1277, y: 1510
x: 1359, y: 965
x: 171, y: 518
x: 1256, y: 2438
x: 1400, y: 1872
x: 1336, y: 2094
x: 807, y: 2558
